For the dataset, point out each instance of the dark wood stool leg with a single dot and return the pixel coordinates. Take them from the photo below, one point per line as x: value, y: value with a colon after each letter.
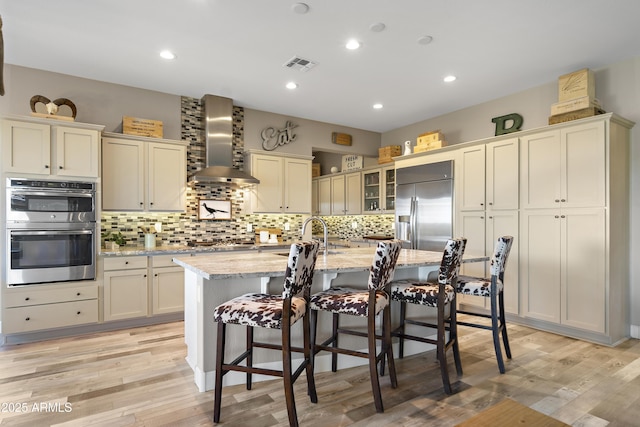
x: 387, y: 344
x: 286, y: 374
x: 249, y: 355
x: 441, y: 349
x: 217, y: 400
x: 453, y: 335
x: 373, y: 364
x: 503, y: 325
x: 403, y: 315
x: 311, y: 383
x: 334, y: 356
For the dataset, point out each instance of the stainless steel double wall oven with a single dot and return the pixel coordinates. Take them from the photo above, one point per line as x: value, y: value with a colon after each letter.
x: 50, y: 231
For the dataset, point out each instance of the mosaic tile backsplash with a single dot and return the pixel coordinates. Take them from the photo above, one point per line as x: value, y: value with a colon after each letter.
x: 181, y: 228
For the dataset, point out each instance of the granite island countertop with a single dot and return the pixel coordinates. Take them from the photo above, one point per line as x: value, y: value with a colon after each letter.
x: 141, y: 250
x: 226, y: 265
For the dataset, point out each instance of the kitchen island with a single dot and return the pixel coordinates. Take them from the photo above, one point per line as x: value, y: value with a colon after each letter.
x: 213, y: 279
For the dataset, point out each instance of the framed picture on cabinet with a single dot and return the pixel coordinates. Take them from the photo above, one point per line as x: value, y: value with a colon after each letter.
x: 214, y: 209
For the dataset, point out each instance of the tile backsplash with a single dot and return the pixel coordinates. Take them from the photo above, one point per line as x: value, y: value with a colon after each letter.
x: 181, y: 228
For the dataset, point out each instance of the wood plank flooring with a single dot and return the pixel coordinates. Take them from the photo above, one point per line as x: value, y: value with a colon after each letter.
x: 138, y: 377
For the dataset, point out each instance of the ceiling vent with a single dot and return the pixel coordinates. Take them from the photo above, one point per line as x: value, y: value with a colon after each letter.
x: 300, y: 64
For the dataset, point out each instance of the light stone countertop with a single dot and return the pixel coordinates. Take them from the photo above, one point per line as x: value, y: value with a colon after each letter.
x: 189, y: 250
x: 227, y: 265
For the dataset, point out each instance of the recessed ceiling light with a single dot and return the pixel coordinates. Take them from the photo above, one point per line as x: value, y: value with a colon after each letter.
x: 292, y: 85
x: 352, y: 44
x: 377, y: 27
x: 449, y: 79
x: 300, y: 8
x: 425, y: 40
x: 167, y: 54
x: 377, y: 106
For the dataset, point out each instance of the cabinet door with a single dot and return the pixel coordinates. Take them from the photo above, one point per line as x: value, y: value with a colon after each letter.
x: 389, y: 183
x: 472, y: 176
x: 584, y: 289
x: 168, y: 290
x: 123, y: 184
x: 584, y: 158
x: 502, y: 166
x: 77, y: 152
x: 26, y: 147
x: 297, y: 186
x: 267, y: 196
x: 324, y: 196
x: 371, y: 181
x: 353, y: 193
x: 541, y: 170
x: 315, y: 205
x: 167, y: 177
x: 125, y: 294
x: 338, y: 195
x: 540, y: 270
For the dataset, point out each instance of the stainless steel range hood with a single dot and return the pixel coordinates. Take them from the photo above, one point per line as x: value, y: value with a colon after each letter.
x: 218, y: 128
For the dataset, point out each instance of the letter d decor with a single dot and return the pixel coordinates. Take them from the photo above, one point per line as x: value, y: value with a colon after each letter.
x: 516, y: 123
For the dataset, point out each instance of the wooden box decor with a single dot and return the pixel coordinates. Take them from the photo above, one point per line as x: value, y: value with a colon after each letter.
x: 341, y: 138
x: 429, y: 137
x: 574, y: 105
x: 421, y: 148
x: 142, y: 127
x: 385, y: 154
x: 315, y: 170
x: 574, y: 115
x: 578, y: 84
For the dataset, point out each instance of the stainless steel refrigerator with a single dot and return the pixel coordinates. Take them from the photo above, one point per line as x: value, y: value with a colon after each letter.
x: 424, y: 205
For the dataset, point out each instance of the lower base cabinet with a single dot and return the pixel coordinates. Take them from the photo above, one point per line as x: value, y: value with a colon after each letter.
x: 141, y: 286
x: 49, y: 306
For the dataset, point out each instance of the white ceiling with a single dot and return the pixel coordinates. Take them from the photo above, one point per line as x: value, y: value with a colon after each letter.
x: 237, y: 48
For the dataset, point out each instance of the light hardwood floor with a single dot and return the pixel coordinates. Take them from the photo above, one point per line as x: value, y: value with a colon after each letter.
x: 138, y: 377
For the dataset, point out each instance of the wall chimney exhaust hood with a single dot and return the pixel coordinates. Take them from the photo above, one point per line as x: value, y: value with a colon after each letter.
x: 218, y: 128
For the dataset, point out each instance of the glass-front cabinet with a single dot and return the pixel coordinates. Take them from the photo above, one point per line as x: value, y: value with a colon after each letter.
x: 378, y: 192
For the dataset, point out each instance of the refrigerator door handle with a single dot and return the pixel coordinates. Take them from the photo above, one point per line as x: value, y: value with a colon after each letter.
x: 413, y: 228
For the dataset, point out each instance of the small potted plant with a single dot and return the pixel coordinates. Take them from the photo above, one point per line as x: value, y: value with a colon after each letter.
x: 113, y: 241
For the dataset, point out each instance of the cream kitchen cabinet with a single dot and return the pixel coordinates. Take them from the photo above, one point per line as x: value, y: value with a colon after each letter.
x: 167, y: 285
x: 346, y: 194
x: 574, y: 250
x: 285, y: 183
x: 378, y: 190
x: 35, y: 147
x: 143, y: 174
x: 125, y: 288
x: 39, y: 307
x: 564, y: 270
x: 489, y: 176
x: 324, y: 196
x: 565, y: 167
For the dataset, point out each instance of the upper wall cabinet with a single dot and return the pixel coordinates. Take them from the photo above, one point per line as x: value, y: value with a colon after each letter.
x: 565, y: 168
x: 143, y: 174
x: 285, y: 183
x: 39, y: 148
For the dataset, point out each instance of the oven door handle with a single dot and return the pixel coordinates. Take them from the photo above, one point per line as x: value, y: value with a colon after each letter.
x: 73, y: 193
x: 48, y: 232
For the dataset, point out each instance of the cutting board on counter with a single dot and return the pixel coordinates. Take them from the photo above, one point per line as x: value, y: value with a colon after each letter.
x: 276, y: 231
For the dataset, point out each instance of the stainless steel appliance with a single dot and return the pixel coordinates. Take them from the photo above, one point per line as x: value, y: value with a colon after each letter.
x: 50, y: 231
x: 424, y: 205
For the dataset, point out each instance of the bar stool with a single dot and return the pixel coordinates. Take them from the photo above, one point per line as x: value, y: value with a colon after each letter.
x: 440, y: 294
x: 362, y: 303
x: 275, y: 312
x: 492, y: 287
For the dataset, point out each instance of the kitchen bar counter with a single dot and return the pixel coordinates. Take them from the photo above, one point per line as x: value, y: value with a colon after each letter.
x: 189, y: 250
x: 213, y: 279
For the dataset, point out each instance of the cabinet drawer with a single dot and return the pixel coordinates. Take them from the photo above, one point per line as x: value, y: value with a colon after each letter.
x: 125, y: 263
x: 164, y: 260
x: 50, y: 295
x: 37, y: 317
